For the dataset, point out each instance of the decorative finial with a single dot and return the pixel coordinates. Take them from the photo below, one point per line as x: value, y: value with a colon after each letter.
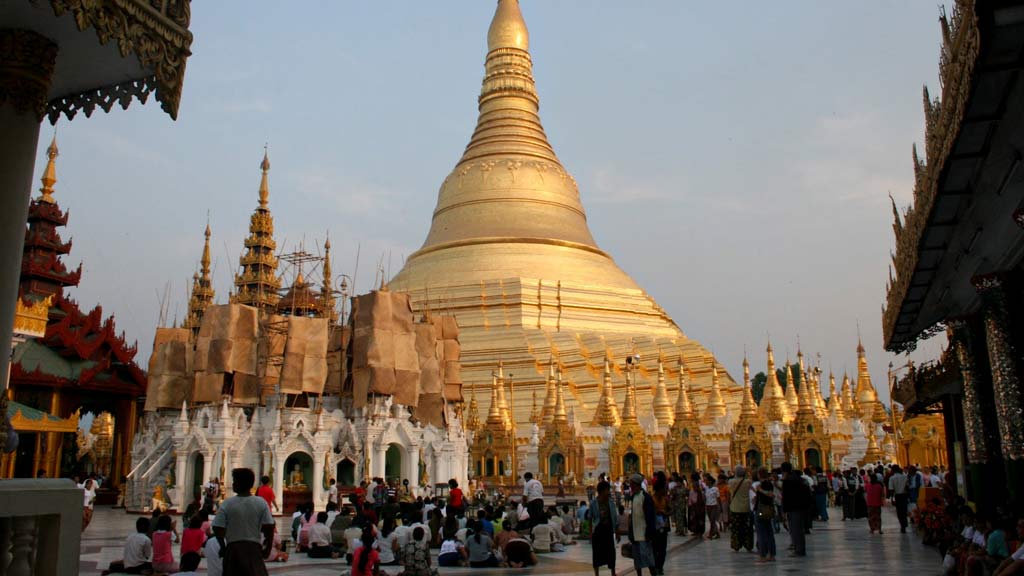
x: 49, y: 177
x: 508, y: 29
x: 264, y: 184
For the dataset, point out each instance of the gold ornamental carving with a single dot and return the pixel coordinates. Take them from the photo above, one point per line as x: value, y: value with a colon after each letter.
x: 27, y: 60
x: 31, y: 319
x: 155, y: 32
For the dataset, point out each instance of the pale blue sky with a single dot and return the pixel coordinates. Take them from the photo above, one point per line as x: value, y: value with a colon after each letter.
x: 734, y: 157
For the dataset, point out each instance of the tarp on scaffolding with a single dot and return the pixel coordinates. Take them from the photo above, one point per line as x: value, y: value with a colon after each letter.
x: 227, y: 341
x: 169, y: 369
x: 208, y: 387
x: 337, y: 343
x: 384, y: 356
x: 305, y: 356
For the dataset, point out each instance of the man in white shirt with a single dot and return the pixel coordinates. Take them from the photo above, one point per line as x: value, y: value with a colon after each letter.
x: 332, y: 492
x: 898, y: 488
x: 533, y: 495
x: 320, y: 539
x: 214, y: 563
x: 238, y: 526
x: 138, y: 551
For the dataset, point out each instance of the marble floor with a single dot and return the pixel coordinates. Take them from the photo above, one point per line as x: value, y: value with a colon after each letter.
x: 835, y: 548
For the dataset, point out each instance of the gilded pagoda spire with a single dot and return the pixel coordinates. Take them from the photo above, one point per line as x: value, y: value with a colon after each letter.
x: 835, y: 402
x: 506, y: 414
x: 607, y: 411
x: 494, y: 415
x: 202, y: 288
x: 805, y: 398
x: 716, y: 406
x: 662, y: 405
x: 868, y: 404
x: 49, y: 177
x: 629, y: 410
x: 792, y: 396
x: 748, y: 407
x: 774, y: 406
x: 473, y: 416
x: 534, y: 412
x: 257, y: 284
x: 548, y: 411
x: 684, y: 408
x: 327, y: 289
x: 560, y: 415
x: 849, y: 405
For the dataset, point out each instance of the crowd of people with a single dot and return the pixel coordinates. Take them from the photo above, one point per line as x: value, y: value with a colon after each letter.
x: 381, y: 524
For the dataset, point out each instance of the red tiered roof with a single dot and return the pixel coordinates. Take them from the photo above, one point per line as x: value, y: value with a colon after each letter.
x: 42, y: 271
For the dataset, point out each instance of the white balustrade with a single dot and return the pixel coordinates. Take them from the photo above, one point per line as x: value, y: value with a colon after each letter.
x: 40, y: 527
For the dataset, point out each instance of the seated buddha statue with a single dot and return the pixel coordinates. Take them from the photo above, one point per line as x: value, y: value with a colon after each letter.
x: 296, y: 481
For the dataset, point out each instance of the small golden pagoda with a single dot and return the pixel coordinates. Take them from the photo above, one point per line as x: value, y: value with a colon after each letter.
x: 836, y: 410
x: 773, y: 407
x: 751, y: 444
x: 807, y: 439
x: 630, y: 449
x: 715, y: 407
x: 560, y: 451
x: 849, y: 405
x: 685, y: 448
x: 792, y: 397
x: 491, y: 451
x: 202, y: 289
x: 607, y: 411
x: 868, y: 404
x: 662, y: 405
x: 258, y: 283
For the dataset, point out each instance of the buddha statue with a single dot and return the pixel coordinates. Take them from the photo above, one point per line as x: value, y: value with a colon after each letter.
x: 296, y: 481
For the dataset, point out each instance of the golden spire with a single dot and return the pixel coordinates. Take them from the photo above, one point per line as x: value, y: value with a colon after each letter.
x: 835, y: 402
x: 327, y: 289
x: 560, y: 415
x: 629, y: 410
x: 805, y: 398
x: 748, y: 407
x: 774, y: 406
x: 264, y: 184
x: 202, y: 288
x: 494, y: 415
x: 506, y: 414
x: 866, y: 396
x: 716, y: 406
x: 49, y: 177
x: 473, y: 416
x: 534, y: 413
x: 792, y: 398
x: 607, y: 412
x: 684, y: 409
x: 662, y: 405
x: 257, y: 284
x: 849, y: 405
x: 548, y: 411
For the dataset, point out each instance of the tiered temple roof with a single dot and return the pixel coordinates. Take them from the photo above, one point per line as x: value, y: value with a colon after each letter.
x: 257, y: 284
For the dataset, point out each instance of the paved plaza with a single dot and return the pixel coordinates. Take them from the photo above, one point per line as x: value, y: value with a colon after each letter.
x: 834, y: 548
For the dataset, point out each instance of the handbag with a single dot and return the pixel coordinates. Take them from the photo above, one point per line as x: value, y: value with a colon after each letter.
x: 766, y: 511
x: 627, y: 550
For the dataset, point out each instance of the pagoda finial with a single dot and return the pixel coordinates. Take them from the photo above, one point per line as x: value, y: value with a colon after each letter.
x: 205, y: 260
x: 607, y: 412
x: 716, y: 406
x: 49, y: 177
x: 773, y: 406
x: 494, y: 415
x: 684, y: 409
x: 629, y: 410
x: 473, y: 418
x: 327, y: 289
x: 264, y: 184
x: 547, y: 412
x: 560, y: 415
x: 662, y: 405
x: 202, y: 287
x: 508, y: 28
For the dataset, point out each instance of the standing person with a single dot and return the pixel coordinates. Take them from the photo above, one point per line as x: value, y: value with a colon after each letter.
x: 266, y: 491
x: 764, y: 509
x: 533, y: 495
x: 456, y: 500
x: 741, y: 535
x: 604, y: 518
x: 795, y: 502
x: 696, y: 506
x: 839, y: 489
x: 641, y: 526
x: 332, y: 492
x: 821, y: 493
x: 659, y: 542
x: 914, y: 483
x: 898, y: 489
x: 712, y: 506
x: 89, y: 498
x: 238, y: 525
x: 874, y: 494
x: 679, y: 494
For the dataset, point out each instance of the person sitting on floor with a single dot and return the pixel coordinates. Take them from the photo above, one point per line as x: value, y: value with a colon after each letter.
x: 189, y: 564
x: 138, y: 552
x: 320, y: 539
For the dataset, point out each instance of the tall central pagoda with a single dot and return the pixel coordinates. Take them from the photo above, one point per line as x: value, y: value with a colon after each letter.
x: 509, y: 253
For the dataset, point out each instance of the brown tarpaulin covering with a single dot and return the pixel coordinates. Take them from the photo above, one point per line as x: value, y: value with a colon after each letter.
x: 208, y: 387
x: 336, y: 344
x: 169, y: 369
x: 384, y: 355
x: 227, y: 339
x: 305, y: 356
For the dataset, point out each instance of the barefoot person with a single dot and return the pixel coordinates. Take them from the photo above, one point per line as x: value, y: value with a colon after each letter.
x: 238, y: 525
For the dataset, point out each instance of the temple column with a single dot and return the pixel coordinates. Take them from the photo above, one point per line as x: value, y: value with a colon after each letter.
x: 208, y: 466
x: 131, y: 426
x: 413, y: 471
x: 317, y: 482
x: 27, y: 61
x: 53, y: 440
x: 277, y: 479
x: 985, y: 471
x: 1003, y: 357
x: 182, y: 484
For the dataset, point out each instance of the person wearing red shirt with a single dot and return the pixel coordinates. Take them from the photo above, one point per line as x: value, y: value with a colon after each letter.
x: 267, y: 493
x: 455, y: 499
x: 875, y: 496
x: 192, y: 538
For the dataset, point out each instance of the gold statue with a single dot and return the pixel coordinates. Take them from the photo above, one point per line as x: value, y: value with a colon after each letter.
x: 296, y: 479
x: 158, y: 502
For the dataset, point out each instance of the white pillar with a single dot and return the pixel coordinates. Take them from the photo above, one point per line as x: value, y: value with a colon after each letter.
x: 379, y: 465
x: 184, y: 484
x: 208, y: 466
x: 413, y: 471
x: 318, y: 479
x: 278, y: 480
x: 18, y: 140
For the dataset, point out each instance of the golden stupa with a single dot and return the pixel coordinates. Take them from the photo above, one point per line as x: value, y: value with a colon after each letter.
x: 509, y: 253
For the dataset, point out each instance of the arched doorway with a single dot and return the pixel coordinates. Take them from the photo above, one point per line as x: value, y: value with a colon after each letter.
x: 393, y: 463
x: 687, y: 462
x: 346, y: 473
x: 556, y: 464
x: 630, y: 463
x: 489, y: 464
x: 298, y: 472
x: 194, y: 481
x: 812, y: 457
x: 752, y: 459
